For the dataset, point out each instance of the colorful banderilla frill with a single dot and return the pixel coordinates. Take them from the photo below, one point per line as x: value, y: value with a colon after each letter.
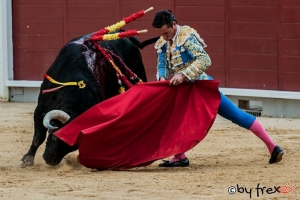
x: 103, y: 35
x: 115, y: 36
x: 80, y: 84
x: 120, y: 24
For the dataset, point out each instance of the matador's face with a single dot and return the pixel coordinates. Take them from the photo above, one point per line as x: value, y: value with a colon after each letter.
x: 166, y: 32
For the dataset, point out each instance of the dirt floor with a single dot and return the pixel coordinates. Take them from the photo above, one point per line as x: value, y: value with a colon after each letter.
x: 228, y: 156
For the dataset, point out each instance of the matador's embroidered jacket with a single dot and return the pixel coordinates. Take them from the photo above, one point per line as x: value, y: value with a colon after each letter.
x: 186, y: 55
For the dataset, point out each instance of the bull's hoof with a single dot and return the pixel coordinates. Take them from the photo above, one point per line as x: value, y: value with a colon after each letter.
x: 26, y: 161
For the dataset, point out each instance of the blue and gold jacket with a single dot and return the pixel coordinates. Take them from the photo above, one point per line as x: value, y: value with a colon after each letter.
x: 186, y: 55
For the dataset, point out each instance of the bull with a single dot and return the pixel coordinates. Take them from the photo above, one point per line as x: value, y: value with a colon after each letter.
x: 79, y: 60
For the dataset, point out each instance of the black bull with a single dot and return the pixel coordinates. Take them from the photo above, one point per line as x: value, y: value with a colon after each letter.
x: 79, y: 60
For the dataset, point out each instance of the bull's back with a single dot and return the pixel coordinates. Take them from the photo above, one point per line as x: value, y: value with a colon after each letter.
x: 79, y: 60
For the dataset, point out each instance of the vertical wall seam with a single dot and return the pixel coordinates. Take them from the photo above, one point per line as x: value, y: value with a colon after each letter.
x: 173, y: 6
x: 226, y: 44
x: 65, y: 21
x: 279, y: 46
x: 118, y: 11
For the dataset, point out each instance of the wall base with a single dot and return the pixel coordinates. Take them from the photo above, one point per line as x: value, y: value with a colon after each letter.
x: 273, y: 107
x: 268, y: 107
x: 24, y: 94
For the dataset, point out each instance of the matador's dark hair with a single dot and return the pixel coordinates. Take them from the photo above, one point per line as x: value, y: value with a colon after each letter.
x: 163, y: 17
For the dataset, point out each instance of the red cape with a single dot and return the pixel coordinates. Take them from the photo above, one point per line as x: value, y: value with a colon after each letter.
x: 148, y: 122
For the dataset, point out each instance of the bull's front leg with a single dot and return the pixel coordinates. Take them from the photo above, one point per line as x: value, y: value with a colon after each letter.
x: 38, y: 138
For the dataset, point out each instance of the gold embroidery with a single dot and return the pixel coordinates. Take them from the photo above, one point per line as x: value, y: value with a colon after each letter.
x: 180, y: 67
x: 185, y: 33
x: 160, y: 43
x: 175, y: 54
x: 194, y: 69
x: 195, y: 52
x: 176, y: 61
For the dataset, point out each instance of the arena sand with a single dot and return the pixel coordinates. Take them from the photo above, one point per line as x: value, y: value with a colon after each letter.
x: 228, y: 156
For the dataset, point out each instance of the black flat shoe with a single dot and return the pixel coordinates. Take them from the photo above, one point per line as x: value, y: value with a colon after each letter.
x: 181, y: 163
x: 276, y: 155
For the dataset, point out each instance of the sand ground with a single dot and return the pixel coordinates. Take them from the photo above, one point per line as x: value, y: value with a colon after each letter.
x: 228, y: 156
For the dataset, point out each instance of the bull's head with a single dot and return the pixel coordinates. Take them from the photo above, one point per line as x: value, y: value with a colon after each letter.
x: 56, y: 149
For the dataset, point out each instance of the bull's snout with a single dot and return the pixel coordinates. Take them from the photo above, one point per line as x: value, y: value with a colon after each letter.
x: 52, y: 160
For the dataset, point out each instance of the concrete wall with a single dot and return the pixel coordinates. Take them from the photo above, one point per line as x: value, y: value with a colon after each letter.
x: 273, y: 103
x: 273, y: 107
x: 6, y: 53
x: 24, y: 94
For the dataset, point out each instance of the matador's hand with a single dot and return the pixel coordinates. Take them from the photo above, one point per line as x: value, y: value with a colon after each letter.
x: 177, y: 79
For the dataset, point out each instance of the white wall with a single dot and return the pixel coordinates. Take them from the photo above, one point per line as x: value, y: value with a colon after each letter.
x: 6, y: 52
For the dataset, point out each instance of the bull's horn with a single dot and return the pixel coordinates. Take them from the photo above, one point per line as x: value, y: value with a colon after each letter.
x: 55, y: 114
